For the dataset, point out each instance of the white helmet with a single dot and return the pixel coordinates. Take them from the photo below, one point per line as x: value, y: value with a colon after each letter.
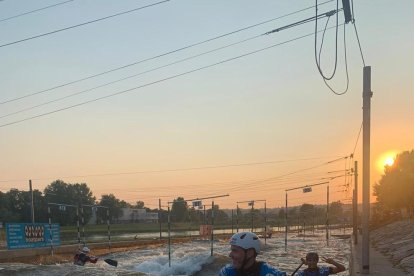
x: 85, y: 249
x: 246, y: 240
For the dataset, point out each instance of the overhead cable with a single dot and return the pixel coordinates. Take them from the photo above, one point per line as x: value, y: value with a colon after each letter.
x: 157, y: 81
x: 336, y: 42
x: 157, y: 56
x: 356, y: 33
x: 125, y: 78
x: 82, y: 24
x: 346, y: 66
x: 40, y: 9
x: 356, y: 142
x: 177, y: 169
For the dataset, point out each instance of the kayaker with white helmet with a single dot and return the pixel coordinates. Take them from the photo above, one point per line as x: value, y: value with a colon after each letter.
x: 244, y: 249
x: 83, y: 256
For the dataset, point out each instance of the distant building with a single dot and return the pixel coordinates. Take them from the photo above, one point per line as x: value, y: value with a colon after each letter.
x: 130, y: 215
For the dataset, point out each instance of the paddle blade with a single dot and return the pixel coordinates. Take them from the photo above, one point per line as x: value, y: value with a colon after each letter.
x: 111, y: 262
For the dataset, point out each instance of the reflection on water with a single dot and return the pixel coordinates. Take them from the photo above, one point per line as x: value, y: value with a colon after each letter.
x: 194, y: 258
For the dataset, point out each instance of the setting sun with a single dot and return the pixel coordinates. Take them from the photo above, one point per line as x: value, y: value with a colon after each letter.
x: 386, y: 159
x: 389, y: 161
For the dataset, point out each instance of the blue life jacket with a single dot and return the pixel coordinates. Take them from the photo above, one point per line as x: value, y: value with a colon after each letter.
x: 263, y: 269
x: 321, y: 271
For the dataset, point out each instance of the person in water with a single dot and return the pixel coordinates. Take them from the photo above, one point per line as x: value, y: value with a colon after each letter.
x: 313, y: 269
x: 244, y: 249
x: 83, y: 256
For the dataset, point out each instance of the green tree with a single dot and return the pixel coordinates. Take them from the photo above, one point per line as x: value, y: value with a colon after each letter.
x: 281, y: 214
x: 139, y: 205
x: 15, y: 206
x: 76, y: 194
x: 306, y: 209
x: 179, y: 210
x: 115, y: 208
x: 219, y: 215
x: 336, y: 212
x: 395, y: 189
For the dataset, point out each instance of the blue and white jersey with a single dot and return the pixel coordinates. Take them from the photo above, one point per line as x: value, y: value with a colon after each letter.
x: 321, y: 271
x: 265, y: 270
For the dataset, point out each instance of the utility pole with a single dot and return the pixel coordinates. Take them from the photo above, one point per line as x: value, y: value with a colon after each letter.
x: 237, y: 218
x: 31, y: 199
x: 366, y: 138
x: 286, y: 221
x: 327, y: 214
x: 159, y: 217
x: 232, y: 227
x: 355, y: 209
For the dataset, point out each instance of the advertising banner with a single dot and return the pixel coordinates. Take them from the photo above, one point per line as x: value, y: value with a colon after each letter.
x: 29, y: 235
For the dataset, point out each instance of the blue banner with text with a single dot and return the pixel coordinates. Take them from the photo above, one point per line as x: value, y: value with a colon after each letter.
x: 32, y: 235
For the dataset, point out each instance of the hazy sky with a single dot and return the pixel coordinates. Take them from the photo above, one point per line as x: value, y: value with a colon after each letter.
x: 271, y: 106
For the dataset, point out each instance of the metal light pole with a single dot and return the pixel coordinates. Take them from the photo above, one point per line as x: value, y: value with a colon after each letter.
x: 366, y: 119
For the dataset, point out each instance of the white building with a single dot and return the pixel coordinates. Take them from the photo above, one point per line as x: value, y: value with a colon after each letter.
x: 130, y: 215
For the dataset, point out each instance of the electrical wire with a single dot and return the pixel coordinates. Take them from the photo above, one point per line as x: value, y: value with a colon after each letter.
x: 336, y: 42
x: 158, y: 56
x: 83, y: 24
x: 346, y: 67
x: 176, y: 169
x: 129, y: 77
x: 356, y: 142
x: 40, y: 9
x: 359, y: 44
x: 356, y: 32
x: 157, y: 81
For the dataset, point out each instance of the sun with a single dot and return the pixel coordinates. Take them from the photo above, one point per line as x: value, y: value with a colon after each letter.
x: 389, y: 161
x: 386, y: 159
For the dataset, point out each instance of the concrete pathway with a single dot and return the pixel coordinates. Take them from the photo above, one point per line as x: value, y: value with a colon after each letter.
x: 379, y: 264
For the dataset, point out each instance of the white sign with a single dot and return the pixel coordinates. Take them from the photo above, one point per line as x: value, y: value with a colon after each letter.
x: 198, y: 204
x: 307, y: 189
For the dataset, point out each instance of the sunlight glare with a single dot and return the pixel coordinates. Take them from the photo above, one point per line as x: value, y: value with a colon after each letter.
x: 389, y: 161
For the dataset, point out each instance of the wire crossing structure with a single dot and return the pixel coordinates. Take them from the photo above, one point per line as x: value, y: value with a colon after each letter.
x: 251, y: 203
x: 94, y: 209
x: 307, y: 189
x: 62, y: 207
x: 212, y: 221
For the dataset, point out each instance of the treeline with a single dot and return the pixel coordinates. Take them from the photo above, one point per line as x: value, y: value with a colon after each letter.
x: 15, y: 206
x: 64, y: 198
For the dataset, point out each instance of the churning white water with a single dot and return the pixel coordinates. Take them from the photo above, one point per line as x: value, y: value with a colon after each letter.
x: 194, y: 258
